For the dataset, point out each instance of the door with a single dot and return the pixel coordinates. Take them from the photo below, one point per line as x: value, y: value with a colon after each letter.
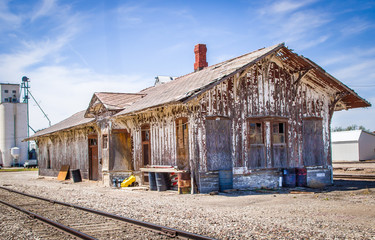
x: 279, y: 146
x: 93, y: 158
x: 182, y: 142
x: 146, y: 147
x: 219, y: 144
x: 313, y: 147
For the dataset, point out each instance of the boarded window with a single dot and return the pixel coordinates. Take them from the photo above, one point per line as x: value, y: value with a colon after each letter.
x: 313, y: 147
x: 182, y: 143
x: 279, y: 147
x: 256, y: 148
x: 219, y: 144
x: 120, y: 154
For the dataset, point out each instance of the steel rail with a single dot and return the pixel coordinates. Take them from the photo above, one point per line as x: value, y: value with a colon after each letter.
x: 171, y: 232
x: 53, y: 223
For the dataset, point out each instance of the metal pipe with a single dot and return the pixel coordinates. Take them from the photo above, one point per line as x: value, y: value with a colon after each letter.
x: 45, y: 115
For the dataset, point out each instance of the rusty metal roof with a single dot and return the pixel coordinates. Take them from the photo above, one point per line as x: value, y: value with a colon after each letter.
x: 75, y: 120
x: 193, y: 84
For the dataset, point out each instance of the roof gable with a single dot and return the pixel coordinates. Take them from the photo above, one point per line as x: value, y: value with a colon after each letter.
x: 102, y: 102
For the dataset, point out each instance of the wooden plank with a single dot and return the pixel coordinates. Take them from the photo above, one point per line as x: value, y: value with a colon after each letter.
x: 63, y: 172
x: 162, y: 170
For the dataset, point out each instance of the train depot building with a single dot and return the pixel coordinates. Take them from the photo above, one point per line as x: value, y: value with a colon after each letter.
x: 250, y: 119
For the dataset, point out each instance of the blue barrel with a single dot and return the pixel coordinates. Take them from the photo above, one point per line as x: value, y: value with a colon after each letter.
x: 289, y: 177
x: 225, y: 180
x: 152, y: 181
x: 161, y: 183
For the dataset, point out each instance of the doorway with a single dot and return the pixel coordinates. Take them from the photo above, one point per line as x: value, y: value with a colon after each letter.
x: 219, y: 143
x: 182, y: 142
x: 146, y: 147
x: 93, y: 158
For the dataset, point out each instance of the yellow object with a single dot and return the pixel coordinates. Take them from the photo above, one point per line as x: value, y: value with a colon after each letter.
x: 128, y: 181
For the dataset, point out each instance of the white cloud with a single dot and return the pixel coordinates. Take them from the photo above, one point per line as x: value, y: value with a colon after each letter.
x: 355, y: 67
x: 44, y: 10
x: 355, y: 26
x: 290, y: 22
x: 8, y: 20
x: 63, y: 91
x: 287, y: 6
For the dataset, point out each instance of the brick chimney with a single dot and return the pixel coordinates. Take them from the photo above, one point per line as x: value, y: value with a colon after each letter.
x: 200, y: 51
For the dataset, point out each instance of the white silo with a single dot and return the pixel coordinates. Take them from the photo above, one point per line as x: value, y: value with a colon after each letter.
x: 13, y: 125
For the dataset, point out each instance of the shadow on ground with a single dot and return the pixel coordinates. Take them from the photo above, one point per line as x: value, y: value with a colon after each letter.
x: 338, y: 185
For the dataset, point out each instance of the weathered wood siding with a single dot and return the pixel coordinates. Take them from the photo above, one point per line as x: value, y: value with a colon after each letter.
x: 265, y: 91
x: 63, y: 148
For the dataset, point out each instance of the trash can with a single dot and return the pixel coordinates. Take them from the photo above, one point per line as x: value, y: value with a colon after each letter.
x: 289, y: 177
x: 161, y: 182
x: 152, y: 181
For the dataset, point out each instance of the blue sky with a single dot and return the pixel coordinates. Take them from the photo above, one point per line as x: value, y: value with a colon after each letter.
x: 71, y: 49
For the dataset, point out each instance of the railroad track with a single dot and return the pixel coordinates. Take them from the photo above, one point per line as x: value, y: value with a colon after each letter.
x: 86, y: 223
x: 353, y: 176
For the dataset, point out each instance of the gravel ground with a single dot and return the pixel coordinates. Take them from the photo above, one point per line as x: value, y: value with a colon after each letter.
x: 344, y: 211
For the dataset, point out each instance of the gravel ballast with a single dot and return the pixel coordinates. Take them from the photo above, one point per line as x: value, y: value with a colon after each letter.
x: 341, y: 212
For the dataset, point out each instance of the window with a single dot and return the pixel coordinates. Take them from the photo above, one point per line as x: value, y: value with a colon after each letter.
x: 14, y: 91
x: 105, y: 141
x: 256, y: 157
x: 255, y: 133
x: 6, y: 100
x: 278, y: 132
x: 6, y: 91
x: 93, y: 142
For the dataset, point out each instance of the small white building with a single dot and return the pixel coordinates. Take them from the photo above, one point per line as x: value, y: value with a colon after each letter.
x: 13, y: 125
x: 356, y: 145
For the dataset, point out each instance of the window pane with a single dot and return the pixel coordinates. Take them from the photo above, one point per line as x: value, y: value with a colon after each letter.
x: 255, y: 133
x: 278, y: 132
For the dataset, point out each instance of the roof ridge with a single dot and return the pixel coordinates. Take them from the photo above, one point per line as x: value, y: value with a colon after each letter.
x: 121, y: 93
